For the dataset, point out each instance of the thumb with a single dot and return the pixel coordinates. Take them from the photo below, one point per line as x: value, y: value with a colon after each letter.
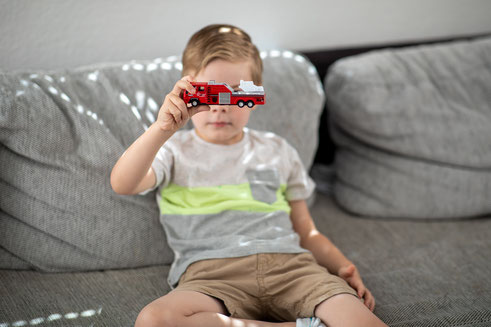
x: 194, y: 110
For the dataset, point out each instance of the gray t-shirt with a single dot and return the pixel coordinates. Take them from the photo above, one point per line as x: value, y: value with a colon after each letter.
x: 222, y: 201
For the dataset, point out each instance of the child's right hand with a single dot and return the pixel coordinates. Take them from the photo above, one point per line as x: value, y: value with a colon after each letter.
x: 174, y: 112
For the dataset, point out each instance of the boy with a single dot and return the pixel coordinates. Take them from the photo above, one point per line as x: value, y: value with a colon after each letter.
x: 232, y: 203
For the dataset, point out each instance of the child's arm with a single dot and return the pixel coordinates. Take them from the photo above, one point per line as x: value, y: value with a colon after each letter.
x: 132, y: 173
x: 325, y: 252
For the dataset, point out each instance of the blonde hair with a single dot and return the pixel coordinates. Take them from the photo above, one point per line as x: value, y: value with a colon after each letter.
x: 221, y: 41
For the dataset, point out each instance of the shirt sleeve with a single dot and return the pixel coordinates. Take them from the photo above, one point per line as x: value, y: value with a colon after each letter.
x: 162, y: 167
x: 299, y: 184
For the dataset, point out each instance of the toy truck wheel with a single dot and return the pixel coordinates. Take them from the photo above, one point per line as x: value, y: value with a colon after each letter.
x: 194, y: 102
x: 250, y: 103
x: 240, y: 103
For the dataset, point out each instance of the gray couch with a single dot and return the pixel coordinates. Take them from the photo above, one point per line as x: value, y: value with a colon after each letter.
x: 73, y: 253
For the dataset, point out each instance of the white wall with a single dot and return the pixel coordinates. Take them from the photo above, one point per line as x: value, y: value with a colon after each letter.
x: 48, y: 34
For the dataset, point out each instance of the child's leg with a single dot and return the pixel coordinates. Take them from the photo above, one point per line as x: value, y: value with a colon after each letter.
x: 346, y: 310
x: 187, y: 308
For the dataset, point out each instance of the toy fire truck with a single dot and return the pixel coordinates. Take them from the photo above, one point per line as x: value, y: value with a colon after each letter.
x: 213, y: 93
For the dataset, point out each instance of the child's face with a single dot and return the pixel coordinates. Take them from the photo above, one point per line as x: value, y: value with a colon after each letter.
x: 223, y: 124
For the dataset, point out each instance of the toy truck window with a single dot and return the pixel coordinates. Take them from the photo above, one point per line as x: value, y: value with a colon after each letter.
x: 201, y: 88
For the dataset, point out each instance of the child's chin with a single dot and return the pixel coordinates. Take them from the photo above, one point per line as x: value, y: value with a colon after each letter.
x: 221, y: 137
x: 221, y: 132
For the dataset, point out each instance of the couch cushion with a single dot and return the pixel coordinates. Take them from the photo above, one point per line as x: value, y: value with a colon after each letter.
x: 61, y: 132
x: 422, y: 274
x: 98, y: 298
x: 413, y: 130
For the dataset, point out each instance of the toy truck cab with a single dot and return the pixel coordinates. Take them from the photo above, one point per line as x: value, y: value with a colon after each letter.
x: 199, y: 97
x: 213, y: 93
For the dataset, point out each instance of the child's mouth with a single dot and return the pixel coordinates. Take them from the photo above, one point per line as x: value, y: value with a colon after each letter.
x: 220, y: 124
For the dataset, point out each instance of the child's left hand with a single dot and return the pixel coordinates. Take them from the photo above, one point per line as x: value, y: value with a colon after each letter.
x: 350, y: 274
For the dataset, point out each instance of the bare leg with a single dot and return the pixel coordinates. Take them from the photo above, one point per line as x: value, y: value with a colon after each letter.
x: 189, y: 309
x: 346, y: 310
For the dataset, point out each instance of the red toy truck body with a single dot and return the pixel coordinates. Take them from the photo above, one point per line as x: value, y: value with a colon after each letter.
x: 213, y: 93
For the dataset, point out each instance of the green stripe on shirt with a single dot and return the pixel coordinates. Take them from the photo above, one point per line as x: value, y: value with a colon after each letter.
x: 181, y: 200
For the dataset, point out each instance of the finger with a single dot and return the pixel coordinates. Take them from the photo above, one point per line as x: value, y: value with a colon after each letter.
x: 358, y: 287
x: 372, y: 306
x: 361, y: 291
x: 183, y: 84
x: 369, y: 300
x: 372, y: 301
x: 181, y: 105
x: 188, y: 78
x: 176, y: 113
x: 176, y: 108
x: 356, y: 284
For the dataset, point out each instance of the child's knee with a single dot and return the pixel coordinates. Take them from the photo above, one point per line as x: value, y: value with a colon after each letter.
x: 151, y: 316
x: 346, y: 310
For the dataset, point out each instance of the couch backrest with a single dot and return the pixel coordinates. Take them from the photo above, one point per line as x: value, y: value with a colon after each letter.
x: 413, y: 130
x: 61, y: 133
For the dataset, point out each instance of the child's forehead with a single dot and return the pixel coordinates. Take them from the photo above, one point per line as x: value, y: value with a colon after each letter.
x: 226, y: 71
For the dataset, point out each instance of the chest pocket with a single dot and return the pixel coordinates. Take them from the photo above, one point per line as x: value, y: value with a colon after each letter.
x: 264, y: 184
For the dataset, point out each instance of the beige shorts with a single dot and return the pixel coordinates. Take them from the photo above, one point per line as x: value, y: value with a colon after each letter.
x: 268, y: 287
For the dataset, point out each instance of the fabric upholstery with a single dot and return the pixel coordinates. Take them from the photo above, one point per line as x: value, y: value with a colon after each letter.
x: 422, y: 273
x: 61, y: 132
x: 425, y: 273
x: 413, y: 130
